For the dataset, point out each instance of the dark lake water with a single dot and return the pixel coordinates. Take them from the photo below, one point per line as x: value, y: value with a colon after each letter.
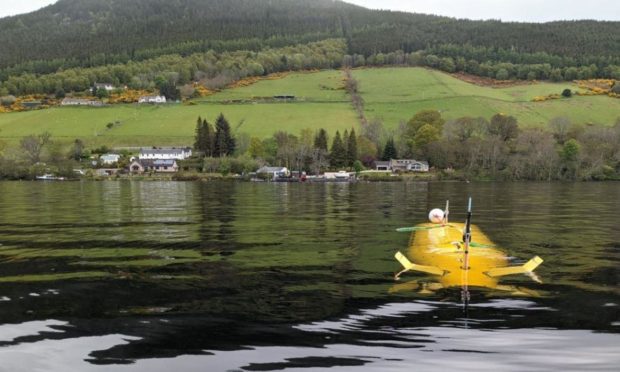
x: 166, y: 276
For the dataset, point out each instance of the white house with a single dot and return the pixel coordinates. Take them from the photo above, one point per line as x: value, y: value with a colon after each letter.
x: 106, y: 86
x: 274, y: 172
x: 165, y: 153
x: 402, y: 165
x: 152, y: 99
x: 108, y: 159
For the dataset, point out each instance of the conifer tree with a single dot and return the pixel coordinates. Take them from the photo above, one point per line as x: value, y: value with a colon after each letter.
x: 224, y: 142
x: 208, y: 138
x: 389, y: 152
x: 337, y: 157
x: 351, y: 148
x: 320, y: 141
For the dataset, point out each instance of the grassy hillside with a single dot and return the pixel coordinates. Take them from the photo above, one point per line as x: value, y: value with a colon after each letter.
x: 393, y: 94
x: 319, y: 104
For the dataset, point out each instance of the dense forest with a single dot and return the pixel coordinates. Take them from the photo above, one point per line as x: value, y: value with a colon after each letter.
x: 91, y: 33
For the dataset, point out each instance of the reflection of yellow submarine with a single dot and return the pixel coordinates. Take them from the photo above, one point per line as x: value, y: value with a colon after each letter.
x: 448, y: 251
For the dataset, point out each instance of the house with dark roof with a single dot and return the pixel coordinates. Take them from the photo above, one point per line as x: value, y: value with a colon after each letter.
x: 402, y: 165
x: 157, y: 166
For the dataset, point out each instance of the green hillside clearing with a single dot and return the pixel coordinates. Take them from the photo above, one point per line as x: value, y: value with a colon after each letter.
x: 392, y: 94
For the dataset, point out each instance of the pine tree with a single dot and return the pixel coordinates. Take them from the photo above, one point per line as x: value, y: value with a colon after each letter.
x: 389, y: 152
x: 224, y: 143
x: 351, y: 148
x: 320, y: 141
x: 198, y: 138
x: 208, y: 138
x: 204, y: 137
x: 337, y: 157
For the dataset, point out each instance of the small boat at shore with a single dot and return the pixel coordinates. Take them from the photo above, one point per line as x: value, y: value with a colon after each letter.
x: 458, y: 255
x: 49, y: 177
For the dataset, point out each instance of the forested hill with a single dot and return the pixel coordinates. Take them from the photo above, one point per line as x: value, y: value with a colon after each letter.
x: 78, y: 33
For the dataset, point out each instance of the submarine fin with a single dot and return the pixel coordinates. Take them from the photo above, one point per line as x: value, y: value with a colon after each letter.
x: 408, y: 265
x: 528, y: 267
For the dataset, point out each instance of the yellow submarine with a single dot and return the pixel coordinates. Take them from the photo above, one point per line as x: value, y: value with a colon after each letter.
x: 458, y: 255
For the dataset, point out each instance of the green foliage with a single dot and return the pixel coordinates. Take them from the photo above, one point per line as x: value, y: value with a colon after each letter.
x: 338, y: 154
x: 426, y: 135
x: 351, y: 148
x: 320, y: 141
x: 256, y: 149
x: 224, y: 143
x: 204, y: 137
x: 567, y: 93
x: 431, y: 117
x: 389, y: 152
x: 570, y: 150
x: 358, y: 167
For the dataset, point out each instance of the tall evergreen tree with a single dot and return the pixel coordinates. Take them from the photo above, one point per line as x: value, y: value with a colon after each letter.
x: 208, y: 138
x: 351, y: 148
x: 203, y: 142
x: 198, y: 136
x: 320, y: 141
x: 338, y: 154
x: 389, y: 152
x: 224, y: 143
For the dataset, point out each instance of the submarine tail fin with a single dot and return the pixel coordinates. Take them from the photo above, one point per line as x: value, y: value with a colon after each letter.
x: 408, y: 265
x: 528, y: 267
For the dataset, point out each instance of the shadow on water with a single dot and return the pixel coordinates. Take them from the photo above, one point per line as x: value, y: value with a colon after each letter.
x: 271, y: 277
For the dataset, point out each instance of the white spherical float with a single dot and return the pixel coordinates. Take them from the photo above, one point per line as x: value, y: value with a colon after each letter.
x: 436, y: 215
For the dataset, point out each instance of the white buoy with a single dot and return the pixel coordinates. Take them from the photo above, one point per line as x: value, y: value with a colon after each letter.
x: 436, y: 215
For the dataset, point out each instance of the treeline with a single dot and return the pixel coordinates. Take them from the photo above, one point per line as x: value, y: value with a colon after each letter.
x: 499, y: 149
x: 94, y: 33
x: 184, y: 49
x: 215, y: 70
x: 474, y: 148
x: 496, y: 63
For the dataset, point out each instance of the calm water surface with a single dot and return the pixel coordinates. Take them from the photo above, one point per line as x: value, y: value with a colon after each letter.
x: 149, y: 276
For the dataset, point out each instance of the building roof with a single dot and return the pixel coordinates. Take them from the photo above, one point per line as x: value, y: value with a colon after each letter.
x: 161, y: 151
x: 381, y: 163
x: 156, y: 162
x: 271, y: 170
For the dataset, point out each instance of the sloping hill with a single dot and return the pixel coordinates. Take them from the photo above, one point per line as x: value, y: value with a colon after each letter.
x: 95, y: 32
x: 391, y: 94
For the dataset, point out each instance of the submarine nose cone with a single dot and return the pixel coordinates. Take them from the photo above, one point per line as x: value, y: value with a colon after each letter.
x: 436, y: 215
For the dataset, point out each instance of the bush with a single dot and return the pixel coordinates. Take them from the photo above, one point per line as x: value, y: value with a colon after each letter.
x: 567, y: 93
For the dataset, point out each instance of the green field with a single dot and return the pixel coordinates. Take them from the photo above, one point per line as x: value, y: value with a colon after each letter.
x: 392, y: 94
x: 395, y: 94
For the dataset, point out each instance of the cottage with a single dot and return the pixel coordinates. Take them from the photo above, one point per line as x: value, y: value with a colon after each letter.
x: 106, y: 86
x: 158, y: 166
x: 273, y: 172
x: 108, y: 159
x: 152, y: 99
x: 80, y: 102
x: 165, y: 153
x: 408, y: 165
